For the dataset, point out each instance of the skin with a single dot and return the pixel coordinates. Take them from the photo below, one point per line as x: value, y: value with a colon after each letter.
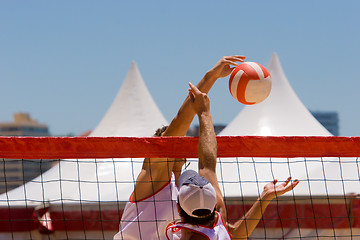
x: 207, y: 152
x: 156, y: 172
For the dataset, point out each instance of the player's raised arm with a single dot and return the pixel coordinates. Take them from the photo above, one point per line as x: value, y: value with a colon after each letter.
x: 182, y: 121
x: 207, y: 149
x: 156, y: 172
x: 245, y: 226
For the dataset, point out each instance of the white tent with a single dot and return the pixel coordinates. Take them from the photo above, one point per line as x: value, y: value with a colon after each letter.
x: 81, y: 184
x: 97, y: 186
x: 133, y: 113
x: 283, y: 114
x: 323, y: 183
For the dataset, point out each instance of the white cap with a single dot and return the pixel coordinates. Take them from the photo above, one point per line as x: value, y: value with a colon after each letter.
x: 195, y: 193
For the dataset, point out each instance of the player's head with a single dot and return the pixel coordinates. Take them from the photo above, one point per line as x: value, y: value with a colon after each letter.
x: 178, y: 162
x: 160, y: 131
x: 197, y: 198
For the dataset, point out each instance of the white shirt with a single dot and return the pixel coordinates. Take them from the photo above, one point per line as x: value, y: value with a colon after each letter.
x: 147, y: 219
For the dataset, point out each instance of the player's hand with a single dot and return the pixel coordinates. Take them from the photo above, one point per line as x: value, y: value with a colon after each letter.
x: 200, y: 101
x: 224, y: 67
x: 272, y: 189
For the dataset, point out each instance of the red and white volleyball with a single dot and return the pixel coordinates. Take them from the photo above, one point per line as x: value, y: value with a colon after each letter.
x: 250, y: 83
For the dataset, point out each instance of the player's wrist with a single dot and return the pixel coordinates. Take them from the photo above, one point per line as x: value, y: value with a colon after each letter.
x: 212, y: 74
x: 266, y: 196
x: 204, y: 114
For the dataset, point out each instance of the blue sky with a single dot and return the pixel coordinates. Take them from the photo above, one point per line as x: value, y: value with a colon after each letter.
x: 64, y: 61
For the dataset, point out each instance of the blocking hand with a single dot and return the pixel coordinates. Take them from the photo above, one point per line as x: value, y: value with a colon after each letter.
x: 200, y: 100
x: 272, y: 189
x: 223, y: 67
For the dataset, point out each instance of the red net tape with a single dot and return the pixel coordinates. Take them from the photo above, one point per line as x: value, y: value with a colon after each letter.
x: 132, y: 147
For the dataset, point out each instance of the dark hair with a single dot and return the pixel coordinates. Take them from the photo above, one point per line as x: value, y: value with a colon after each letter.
x: 205, y: 216
x: 160, y: 131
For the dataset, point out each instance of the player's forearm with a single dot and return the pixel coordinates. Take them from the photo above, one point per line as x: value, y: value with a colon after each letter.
x: 207, y: 148
x: 182, y: 121
x: 245, y: 226
x: 207, y: 82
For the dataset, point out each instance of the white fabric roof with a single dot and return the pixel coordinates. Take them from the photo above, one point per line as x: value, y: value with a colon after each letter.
x: 281, y: 114
x: 132, y: 113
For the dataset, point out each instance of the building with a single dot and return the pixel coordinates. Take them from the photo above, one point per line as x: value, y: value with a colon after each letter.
x: 23, y: 125
x: 19, y: 171
x: 330, y: 120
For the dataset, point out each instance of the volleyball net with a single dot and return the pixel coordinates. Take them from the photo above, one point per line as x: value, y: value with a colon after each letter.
x: 82, y: 196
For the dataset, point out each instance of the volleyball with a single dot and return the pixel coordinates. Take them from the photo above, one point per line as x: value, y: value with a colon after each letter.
x: 250, y: 83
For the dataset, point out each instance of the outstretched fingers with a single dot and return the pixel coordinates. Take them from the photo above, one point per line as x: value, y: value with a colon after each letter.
x: 273, y: 189
x: 232, y: 60
x: 291, y: 186
x: 194, y: 89
x: 236, y: 58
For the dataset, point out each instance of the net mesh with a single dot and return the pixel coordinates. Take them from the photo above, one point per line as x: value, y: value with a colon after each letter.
x: 84, y: 183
